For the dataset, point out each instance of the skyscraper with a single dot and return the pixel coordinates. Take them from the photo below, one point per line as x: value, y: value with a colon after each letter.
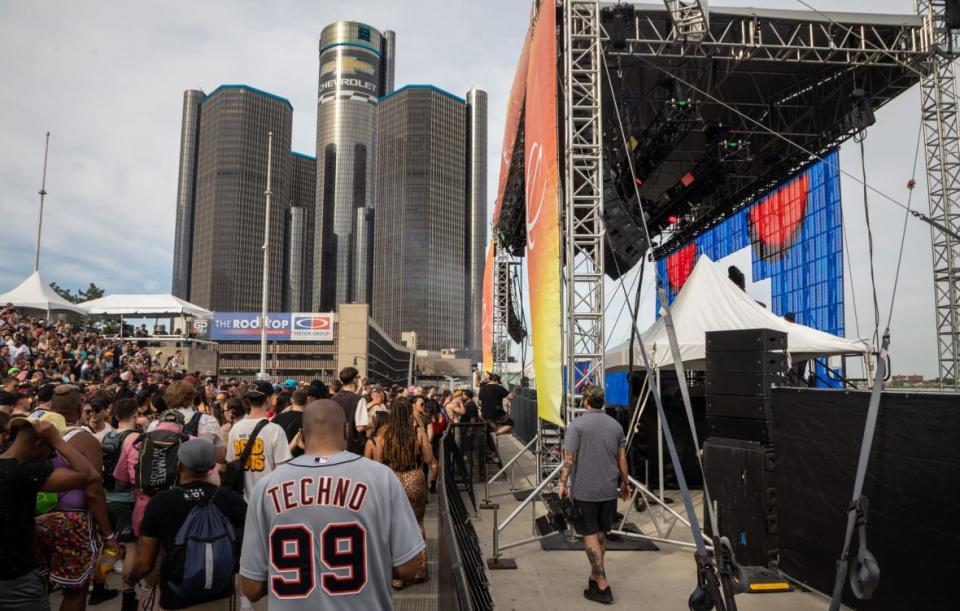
x: 430, y: 196
x: 186, y: 191
x: 356, y: 67
x: 300, y: 228
x: 225, y: 261
x: 475, y: 238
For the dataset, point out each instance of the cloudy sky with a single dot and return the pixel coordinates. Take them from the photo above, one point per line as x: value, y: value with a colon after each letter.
x: 106, y: 78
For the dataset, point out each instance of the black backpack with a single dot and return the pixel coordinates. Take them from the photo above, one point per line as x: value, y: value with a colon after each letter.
x: 157, y: 460
x: 232, y: 476
x: 193, y: 426
x: 110, y: 448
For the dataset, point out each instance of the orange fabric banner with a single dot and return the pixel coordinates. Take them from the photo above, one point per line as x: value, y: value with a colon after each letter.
x: 543, y: 214
x: 514, y: 106
x: 486, y: 329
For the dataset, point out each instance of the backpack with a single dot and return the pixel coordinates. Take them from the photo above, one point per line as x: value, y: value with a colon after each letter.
x: 111, y: 447
x: 193, y: 426
x: 157, y: 460
x: 232, y: 476
x: 204, y: 555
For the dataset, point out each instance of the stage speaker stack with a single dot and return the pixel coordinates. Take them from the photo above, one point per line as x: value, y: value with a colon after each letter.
x: 742, y: 368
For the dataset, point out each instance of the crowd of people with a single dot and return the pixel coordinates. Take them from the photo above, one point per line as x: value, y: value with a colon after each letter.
x: 204, y: 492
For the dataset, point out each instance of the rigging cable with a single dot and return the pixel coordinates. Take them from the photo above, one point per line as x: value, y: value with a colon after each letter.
x: 873, y: 274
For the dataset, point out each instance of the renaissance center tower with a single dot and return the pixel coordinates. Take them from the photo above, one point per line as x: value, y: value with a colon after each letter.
x: 356, y: 68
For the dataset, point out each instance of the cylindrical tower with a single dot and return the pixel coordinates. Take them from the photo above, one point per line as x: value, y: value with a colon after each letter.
x: 294, y: 281
x: 388, y: 62
x: 350, y: 61
x: 476, y: 210
x: 186, y: 190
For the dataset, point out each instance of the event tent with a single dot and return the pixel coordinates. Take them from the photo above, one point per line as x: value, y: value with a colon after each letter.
x: 709, y: 301
x: 35, y: 293
x: 144, y: 306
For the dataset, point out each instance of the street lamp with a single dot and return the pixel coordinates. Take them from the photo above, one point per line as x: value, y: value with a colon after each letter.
x: 262, y: 375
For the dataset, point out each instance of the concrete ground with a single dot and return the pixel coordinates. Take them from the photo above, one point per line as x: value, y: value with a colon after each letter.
x: 554, y: 580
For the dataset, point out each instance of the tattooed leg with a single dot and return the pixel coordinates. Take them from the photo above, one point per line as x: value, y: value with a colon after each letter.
x: 594, y: 550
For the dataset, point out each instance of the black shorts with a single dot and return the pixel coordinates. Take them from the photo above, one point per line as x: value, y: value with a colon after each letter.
x: 595, y: 516
x: 121, y: 516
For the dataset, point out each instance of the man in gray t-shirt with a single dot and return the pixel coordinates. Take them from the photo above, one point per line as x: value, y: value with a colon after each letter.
x: 328, y: 529
x: 594, y: 451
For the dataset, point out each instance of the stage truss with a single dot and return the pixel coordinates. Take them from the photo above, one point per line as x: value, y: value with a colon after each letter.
x: 501, y: 308
x: 938, y: 99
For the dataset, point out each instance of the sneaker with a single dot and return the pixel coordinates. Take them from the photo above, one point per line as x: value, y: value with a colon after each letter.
x: 604, y: 596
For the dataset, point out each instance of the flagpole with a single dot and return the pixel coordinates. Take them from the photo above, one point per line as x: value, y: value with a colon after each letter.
x: 43, y: 193
x: 266, y: 266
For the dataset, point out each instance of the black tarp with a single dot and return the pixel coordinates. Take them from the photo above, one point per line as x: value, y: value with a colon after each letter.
x: 912, y: 483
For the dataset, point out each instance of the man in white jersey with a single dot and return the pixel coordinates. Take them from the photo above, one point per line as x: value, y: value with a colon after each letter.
x: 329, y: 528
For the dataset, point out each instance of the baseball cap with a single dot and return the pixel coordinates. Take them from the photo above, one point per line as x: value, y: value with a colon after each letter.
x: 58, y: 422
x: 13, y: 371
x: 172, y: 415
x: 258, y: 389
x: 197, y: 455
x: 7, y: 398
x: 290, y: 383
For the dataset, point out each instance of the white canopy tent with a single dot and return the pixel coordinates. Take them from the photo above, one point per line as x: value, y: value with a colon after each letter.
x: 144, y: 306
x: 709, y: 301
x: 35, y: 293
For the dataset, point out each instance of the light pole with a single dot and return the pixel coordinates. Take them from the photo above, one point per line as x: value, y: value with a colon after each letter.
x: 43, y: 193
x: 266, y: 267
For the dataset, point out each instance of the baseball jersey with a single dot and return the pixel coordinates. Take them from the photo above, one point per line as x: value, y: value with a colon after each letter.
x: 327, y: 532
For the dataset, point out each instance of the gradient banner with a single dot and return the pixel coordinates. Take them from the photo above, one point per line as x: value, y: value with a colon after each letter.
x: 543, y: 214
x: 514, y: 106
x: 486, y: 329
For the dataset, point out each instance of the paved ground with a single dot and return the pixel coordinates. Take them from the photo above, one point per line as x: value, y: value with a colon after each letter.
x: 555, y: 580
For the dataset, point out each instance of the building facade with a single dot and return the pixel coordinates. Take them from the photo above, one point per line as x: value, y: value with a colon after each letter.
x: 429, y: 199
x: 300, y: 230
x: 227, y: 229
x: 356, y: 68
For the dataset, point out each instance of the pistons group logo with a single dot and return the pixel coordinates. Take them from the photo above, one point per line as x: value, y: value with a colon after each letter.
x: 312, y: 326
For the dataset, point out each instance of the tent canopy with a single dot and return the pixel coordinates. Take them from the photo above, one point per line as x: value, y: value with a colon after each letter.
x: 709, y: 301
x: 144, y: 306
x: 35, y: 293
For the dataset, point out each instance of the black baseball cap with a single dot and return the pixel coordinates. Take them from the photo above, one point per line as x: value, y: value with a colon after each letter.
x: 259, y: 389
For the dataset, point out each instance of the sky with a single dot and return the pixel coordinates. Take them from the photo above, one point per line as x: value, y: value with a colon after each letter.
x: 107, y: 79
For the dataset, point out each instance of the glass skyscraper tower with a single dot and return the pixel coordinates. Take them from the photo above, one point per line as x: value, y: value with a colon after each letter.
x: 356, y: 68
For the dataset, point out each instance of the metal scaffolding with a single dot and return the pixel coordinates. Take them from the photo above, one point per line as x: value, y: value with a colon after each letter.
x: 582, y: 210
x: 938, y: 99
x: 501, y: 307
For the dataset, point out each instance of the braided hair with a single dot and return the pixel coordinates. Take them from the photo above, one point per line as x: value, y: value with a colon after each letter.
x: 401, y: 444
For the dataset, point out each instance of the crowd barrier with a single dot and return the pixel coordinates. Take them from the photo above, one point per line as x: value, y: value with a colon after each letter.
x: 463, y: 579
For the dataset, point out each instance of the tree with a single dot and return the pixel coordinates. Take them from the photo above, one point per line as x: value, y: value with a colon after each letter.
x: 91, y: 292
